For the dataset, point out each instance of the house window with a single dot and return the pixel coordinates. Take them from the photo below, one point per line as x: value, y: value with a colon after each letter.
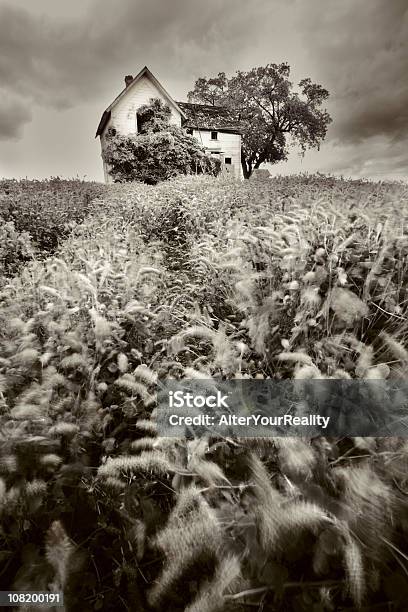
x: 139, y: 123
x: 214, y: 135
x: 228, y: 160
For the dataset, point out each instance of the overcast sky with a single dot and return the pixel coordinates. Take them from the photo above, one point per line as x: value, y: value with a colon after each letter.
x: 62, y: 63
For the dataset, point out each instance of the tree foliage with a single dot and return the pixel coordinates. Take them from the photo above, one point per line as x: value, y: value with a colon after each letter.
x: 158, y: 151
x: 269, y: 111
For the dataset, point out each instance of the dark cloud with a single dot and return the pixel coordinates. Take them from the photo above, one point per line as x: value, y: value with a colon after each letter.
x: 374, y: 157
x: 361, y: 50
x: 61, y: 62
x: 13, y: 115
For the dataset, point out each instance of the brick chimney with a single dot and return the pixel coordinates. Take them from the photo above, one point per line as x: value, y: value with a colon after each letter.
x: 128, y: 80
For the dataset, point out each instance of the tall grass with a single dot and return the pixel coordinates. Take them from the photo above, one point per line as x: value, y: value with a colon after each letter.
x: 301, y: 277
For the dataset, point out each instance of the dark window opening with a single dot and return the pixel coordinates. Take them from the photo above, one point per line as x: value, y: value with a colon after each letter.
x: 139, y: 123
x: 228, y: 160
x: 214, y: 135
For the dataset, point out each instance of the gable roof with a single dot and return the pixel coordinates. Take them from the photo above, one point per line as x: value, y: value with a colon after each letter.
x: 208, y: 117
x: 144, y: 72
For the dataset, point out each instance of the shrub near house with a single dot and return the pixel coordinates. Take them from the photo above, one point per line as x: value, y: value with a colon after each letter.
x: 158, y: 151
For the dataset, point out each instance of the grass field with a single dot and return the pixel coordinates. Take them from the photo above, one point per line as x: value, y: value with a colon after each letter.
x: 106, y: 291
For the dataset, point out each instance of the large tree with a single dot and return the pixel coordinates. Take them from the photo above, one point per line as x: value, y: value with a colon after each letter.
x: 269, y: 110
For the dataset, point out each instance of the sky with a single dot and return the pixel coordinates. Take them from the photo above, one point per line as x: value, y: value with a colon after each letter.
x: 62, y: 63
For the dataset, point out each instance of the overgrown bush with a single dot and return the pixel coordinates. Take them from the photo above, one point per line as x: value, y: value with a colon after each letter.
x: 301, y: 277
x: 159, y: 151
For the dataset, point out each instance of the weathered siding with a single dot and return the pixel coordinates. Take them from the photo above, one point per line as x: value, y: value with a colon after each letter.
x: 123, y: 114
x: 227, y: 145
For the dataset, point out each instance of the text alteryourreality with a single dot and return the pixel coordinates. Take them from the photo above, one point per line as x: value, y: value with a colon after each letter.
x: 285, y: 420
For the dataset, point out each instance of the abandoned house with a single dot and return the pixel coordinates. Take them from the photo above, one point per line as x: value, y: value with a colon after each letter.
x: 214, y: 128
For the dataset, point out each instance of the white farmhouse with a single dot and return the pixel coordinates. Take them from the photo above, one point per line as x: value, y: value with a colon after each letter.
x: 214, y: 128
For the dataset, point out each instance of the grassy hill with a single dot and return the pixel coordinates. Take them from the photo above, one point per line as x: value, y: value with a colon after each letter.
x: 105, y: 292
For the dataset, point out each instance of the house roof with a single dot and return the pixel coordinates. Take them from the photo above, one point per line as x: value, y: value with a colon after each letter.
x: 208, y: 117
x: 144, y: 72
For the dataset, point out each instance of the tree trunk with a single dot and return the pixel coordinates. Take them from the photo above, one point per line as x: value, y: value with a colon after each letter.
x: 246, y: 167
x: 260, y: 160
